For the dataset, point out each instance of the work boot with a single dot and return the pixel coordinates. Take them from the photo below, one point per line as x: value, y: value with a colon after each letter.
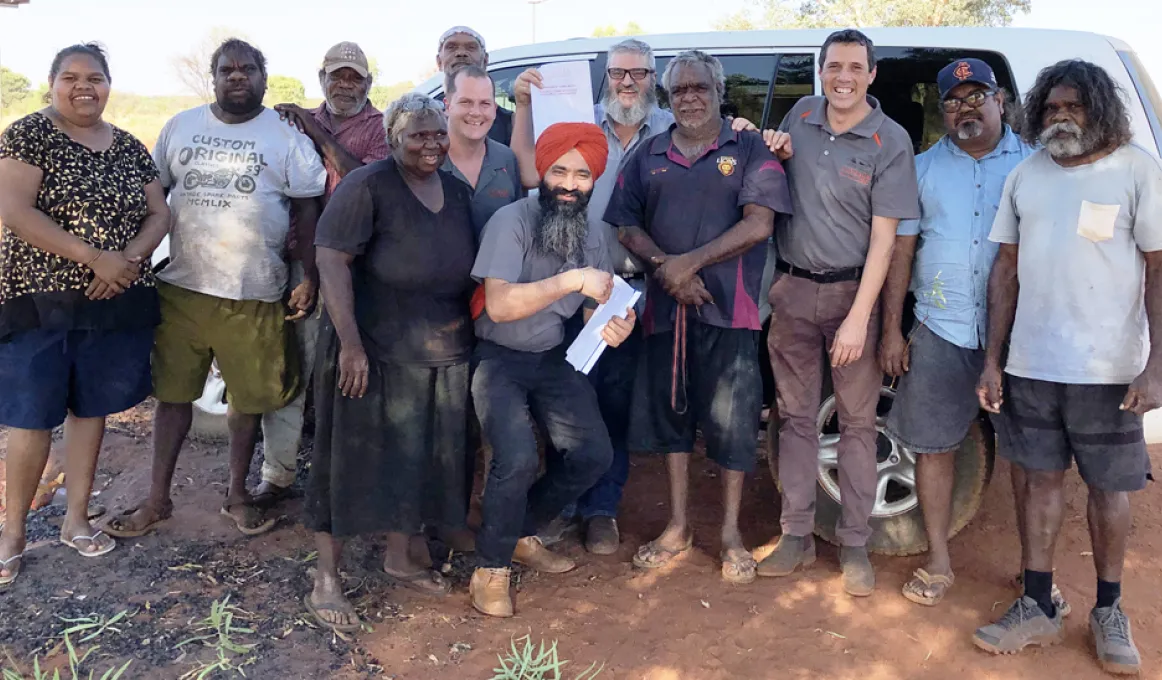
x: 1114, y: 642
x: 531, y: 552
x: 601, y: 536
x: 791, y: 553
x: 1023, y: 625
x: 859, y: 577
x: 489, y: 592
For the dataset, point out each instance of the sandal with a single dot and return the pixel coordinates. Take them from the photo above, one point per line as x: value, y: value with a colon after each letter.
x: 738, y: 569
x: 654, y: 556
x: 252, y: 522
x: 118, y: 525
x: 107, y: 548
x: 427, y: 581
x: 268, y: 495
x: 5, y: 580
x: 928, y: 589
x: 314, y: 610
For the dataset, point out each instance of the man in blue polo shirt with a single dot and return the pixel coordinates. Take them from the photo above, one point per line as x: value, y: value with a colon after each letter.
x: 697, y: 204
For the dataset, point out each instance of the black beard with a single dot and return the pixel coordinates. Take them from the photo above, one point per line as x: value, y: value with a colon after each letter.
x: 239, y: 108
x: 564, y: 225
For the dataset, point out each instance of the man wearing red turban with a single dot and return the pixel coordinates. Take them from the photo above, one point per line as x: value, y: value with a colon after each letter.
x: 539, y: 263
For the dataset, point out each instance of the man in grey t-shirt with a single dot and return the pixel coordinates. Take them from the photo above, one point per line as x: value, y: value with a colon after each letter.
x: 1080, y: 228
x: 539, y: 262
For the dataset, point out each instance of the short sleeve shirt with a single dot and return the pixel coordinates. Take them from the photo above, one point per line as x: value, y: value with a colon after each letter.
x: 97, y: 196
x: 840, y: 181
x: 684, y: 205
x: 1081, y: 316
x: 361, y: 135
x: 412, y: 270
x: 230, y: 191
x: 507, y: 253
x: 498, y: 183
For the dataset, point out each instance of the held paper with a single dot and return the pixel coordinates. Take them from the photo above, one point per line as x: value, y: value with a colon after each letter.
x: 589, y: 345
x: 566, y: 95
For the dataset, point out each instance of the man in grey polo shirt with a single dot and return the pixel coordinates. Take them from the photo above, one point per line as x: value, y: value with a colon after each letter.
x: 853, y: 178
x: 539, y: 262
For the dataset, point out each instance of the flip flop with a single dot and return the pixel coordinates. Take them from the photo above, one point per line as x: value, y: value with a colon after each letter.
x: 272, y: 496
x: 417, y: 580
x: 922, y: 582
x: 247, y: 524
x: 314, y: 610
x: 112, y: 530
x: 739, y: 570
x: 72, y: 543
x: 5, y: 580
x: 652, y: 548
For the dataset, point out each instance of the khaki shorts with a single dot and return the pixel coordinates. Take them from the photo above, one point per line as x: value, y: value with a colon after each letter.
x: 250, y: 339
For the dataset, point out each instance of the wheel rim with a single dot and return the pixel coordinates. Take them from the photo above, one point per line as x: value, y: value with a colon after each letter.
x: 213, y: 399
x: 895, y: 463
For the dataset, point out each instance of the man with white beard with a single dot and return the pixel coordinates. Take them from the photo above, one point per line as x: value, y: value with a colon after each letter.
x: 1076, y: 296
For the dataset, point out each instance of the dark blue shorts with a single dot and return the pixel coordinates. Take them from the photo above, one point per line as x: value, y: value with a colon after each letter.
x: 46, y: 374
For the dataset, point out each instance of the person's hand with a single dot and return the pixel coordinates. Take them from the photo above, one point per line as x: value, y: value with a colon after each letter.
x: 618, y: 329
x: 113, y: 273
x: 847, y: 348
x: 676, y: 272
x: 353, y: 370
x: 522, y: 86
x: 1145, y: 393
x: 302, y: 300
x: 136, y: 253
x: 779, y: 143
x: 893, y: 352
x: 299, y: 117
x: 596, y: 284
x: 694, y: 293
x: 990, y: 388
x: 742, y: 125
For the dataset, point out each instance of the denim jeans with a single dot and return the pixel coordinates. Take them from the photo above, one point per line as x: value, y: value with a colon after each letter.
x: 511, y: 389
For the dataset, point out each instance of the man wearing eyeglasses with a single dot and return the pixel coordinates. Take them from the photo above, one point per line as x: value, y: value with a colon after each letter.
x: 945, y: 257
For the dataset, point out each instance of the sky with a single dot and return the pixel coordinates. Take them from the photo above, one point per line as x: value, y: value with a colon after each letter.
x: 143, y: 36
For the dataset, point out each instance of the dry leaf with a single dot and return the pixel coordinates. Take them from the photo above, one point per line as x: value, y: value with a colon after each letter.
x: 705, y: 604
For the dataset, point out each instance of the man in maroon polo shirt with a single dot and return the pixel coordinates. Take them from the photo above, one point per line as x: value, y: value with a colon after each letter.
x: 698, y: 203
x: 348, y: 133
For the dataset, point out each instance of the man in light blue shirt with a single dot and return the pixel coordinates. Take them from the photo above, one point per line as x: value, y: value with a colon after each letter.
x: 945, y: 258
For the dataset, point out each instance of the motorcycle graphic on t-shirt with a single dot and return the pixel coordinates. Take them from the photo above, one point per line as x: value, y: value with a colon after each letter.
x: 219, y: 179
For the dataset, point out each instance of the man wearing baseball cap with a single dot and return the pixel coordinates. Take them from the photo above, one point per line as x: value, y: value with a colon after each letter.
x: 945, y: 258
x: 460, y: 46
x: 348, y: 133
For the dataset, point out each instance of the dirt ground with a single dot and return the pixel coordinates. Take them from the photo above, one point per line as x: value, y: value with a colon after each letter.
x: 682, y: 623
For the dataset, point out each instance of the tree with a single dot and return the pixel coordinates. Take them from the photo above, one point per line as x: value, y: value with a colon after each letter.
x: 284, y: 90
x: 863, y: 13
x: 193, y: 68
x: 14, y: 88
x: 382, y: 95
x: 611, y: 31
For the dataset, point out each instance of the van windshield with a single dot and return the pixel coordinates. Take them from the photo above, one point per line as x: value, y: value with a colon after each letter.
x: 1147, y: 93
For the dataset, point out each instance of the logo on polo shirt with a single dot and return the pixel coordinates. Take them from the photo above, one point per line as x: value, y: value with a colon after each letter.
x: 726, y: 165
x: 963, y: 71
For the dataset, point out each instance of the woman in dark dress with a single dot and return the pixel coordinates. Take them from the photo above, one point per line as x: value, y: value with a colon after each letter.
x: 82, y: 211
x: 395, y: 253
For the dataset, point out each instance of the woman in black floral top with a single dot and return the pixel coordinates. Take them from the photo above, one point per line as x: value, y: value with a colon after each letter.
x: 82, y: 211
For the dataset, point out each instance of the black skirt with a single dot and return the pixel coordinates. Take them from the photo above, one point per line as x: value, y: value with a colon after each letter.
x: 395, y: 459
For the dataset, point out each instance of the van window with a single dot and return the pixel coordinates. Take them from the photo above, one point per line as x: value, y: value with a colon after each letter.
x: 748, y: 84
x: 795, y: 80
x: 905, y: 86
x: 1147, y: 93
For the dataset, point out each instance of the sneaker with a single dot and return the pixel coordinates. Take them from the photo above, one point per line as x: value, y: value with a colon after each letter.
x: 489, y: 590
x: 1023, y: 625
x: 791, y: 553
x: 532, y: 553
x: 1058, y: 599
x: 1114, y: 642
x: 859, y: 577
x: 602, y: 536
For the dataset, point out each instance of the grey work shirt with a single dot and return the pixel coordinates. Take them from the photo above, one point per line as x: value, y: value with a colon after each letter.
x: 839, y: 181
x: 657, y: 122
x: 507, y: 253
x: 497, y: 186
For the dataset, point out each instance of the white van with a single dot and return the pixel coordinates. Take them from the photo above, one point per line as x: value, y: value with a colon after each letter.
x: 766, y: 73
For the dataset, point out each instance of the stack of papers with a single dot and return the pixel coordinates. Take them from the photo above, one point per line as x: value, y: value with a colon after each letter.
x: 587, y: 348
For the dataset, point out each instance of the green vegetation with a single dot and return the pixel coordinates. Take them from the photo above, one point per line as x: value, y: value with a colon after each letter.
x: 529, y: 662
x: 218, y: 632
x: 284, y: 90
x: 91, y: 627
x: 612, y: 31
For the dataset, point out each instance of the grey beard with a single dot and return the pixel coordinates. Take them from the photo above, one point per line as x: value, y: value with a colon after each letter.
x: 350, y: 113
x: 1079, y: 143
x: 563, y: 232
x: 969, y: 129
x: 630, y: 115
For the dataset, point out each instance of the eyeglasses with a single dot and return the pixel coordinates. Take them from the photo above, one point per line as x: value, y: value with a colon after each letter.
x: 972, y: 101
x: 618, y: 74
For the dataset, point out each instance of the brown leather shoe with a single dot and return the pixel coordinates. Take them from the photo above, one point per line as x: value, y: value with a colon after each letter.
x: 532, y: 553
x: 489, y: 592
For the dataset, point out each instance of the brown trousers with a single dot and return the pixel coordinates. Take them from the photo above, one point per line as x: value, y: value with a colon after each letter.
x: 805, y: 317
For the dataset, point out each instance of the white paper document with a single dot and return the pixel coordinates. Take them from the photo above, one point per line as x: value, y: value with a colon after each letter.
x: 589, y: 345
x: 566, y: 95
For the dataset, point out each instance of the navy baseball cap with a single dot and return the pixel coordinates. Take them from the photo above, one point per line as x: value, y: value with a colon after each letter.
x: 965, y: 71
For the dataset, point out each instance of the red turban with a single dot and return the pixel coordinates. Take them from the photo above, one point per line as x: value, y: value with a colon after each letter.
x: 561, y: 138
